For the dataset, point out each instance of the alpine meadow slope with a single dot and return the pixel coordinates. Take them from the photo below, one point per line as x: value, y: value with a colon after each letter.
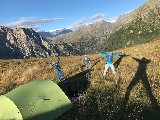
x: 143, y: 28
x: 134, y: 93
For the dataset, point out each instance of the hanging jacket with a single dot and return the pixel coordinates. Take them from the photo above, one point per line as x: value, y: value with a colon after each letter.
x: 109, y: 57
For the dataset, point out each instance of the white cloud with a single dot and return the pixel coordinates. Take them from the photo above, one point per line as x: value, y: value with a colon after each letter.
x: 30, y: 22
x: 53, y: 30
x: 112, y: 20
x: 28, y: 18
x: 78, y: 24
x: 84, y: 22
x: 98, y: 16
x: 128, y: 12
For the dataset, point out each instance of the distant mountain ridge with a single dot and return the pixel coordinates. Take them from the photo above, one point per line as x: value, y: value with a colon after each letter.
x: 26, y: 43
x: 53, y: 34
x: 141, y: 27
x: 88, y: 37
x: 135, y: 27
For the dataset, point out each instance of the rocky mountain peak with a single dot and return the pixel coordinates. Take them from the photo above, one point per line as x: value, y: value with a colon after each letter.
x: 26, y: 43
x: 4, y: 29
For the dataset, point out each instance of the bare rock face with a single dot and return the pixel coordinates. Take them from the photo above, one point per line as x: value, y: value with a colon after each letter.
x: 21, y: 43
x: 25, y: 43
x: 6, y: 48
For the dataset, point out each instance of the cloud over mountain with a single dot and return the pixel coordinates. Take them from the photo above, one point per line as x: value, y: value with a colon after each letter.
x: 112, y: 20
x: 98, y: 16
x: 30, y: 22
x: 78, y: 24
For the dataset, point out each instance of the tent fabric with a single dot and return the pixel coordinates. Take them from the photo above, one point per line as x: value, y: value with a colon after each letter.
x: 40, y: 99
x: 8, y: 110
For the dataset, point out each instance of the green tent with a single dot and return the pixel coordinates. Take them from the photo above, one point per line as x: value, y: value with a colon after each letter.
x: 8, y: 110
x: 40, y: 99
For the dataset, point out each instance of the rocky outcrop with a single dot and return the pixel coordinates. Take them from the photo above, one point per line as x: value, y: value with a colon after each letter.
x: 26, y: 43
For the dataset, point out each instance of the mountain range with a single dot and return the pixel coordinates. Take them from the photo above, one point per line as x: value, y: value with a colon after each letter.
x: 54, y: 33
x: 135, y: 27
x: 141, y: 27
x: 87, y: 38
x: 26, y: 43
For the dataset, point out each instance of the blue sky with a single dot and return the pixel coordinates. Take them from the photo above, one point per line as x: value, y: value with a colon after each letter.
x: 59, y: 14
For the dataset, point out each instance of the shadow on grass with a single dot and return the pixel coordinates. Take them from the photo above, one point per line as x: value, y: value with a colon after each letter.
x: 97, y: 104
x: 75, y: 85
x: 116, y: 64
x: 72, y: 87
x: 154, y: 110
x: 103, y: 102
x: 96, y: 61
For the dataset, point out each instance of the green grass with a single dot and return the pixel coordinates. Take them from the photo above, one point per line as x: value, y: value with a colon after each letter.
x: 142, y: 29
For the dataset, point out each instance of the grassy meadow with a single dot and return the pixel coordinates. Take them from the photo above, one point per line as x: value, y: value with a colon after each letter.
x: 133, y: 93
